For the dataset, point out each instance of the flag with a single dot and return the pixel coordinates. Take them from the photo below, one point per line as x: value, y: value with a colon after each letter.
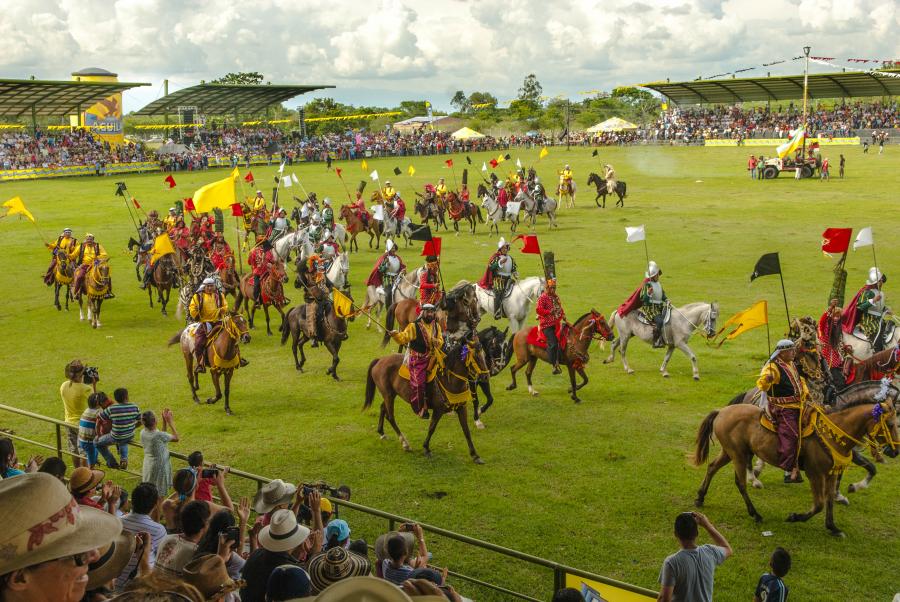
x: 338, y: 170
x: 664, y: 106
x: 294, y: 178
x: 500, y: 160
x: 432, y: 247
x: 365, y: 165
x: 281, y: 167
x: 249, y: 177
x: 484, y: 166
x: 120, y: 189
x: 635, y: 234
x: 15, y: 206
x: 767, y: 265
x: 494, y: 163
x: 343, y: 306
x: 468, y: 159
x: 162, y: 246
x: 286, y: 181
x: 237, y: 210
x: 544, y: 152
x: 189, y: 204
x: 836, y: 240
x: 864, y: 238
x: 420, y: 232
x: 170, y: 181
x: 135, y: 202
x: 219, y: 194
x: 791, y: 145
x: 755, y: 315
x: 397, y: 171
x: 595, y: 153
x: 449, y: 162
x: 411, y: 171
x: 531, y: 243
x: 518, y: 163
x: 235, y: 174
x: 374, y: 174
x: 506, y: 157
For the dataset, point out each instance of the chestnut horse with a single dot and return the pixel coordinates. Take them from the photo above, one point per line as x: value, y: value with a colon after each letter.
x: 585, y: 329
x: 448, y: 392
x: 355, y: 225
x: 223, y: 354
x: 334, y: 330
x: 96, y: 285
x: 229, y: 279
x: 459, y: 210
x: 459, y: 307
x: 63, y: 274
x: 162, y: 279
x: 271, y: 289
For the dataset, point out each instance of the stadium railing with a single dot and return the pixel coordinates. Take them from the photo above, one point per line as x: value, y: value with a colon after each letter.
x: 559, y: 571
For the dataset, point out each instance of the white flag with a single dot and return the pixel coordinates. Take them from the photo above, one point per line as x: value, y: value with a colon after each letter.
x: 484, y: 167
x: 634, y: 234
x: 518, y: 163
x: 294, y: 178
x: 286, y: 181
x: 374, y: 174
x: 864, y: 238
x: 281, y: 168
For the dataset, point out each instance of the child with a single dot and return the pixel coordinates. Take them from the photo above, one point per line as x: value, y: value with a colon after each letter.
x: 771, y: 588
x: 124, y: 417
x: 87, y: 427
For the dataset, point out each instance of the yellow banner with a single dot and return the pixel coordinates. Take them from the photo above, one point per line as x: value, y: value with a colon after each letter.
x: 823, y: 141
x: 594, y: 591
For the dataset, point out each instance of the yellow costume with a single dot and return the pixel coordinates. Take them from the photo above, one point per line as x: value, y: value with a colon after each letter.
x: 65, y: 245
x: 566, y: 174
x: 208, y: 307
x: 433, y: 338
x: 88, y: 253
x: 388, y: 192
x: 441, y: 190
x: 259, y: 204
x: 771, y: 371
x: 169, y: 221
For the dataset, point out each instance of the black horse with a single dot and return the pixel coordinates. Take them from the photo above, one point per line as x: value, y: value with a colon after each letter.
x: 595, y: 180
x: 497, y: 353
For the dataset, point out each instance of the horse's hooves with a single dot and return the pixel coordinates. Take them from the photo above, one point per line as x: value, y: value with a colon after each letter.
x: 211, y: 401
x: 851, y: 489
x: 698, y: 503
x: 269, y: 332
x: 696, y: 377
x: 576, y: 399
x: 793, y: 518
x: 836, y: 533
x: 608, y: 360
x: 428, y: 453
x: 382, y: 436
x: 841, y: 499
x: 510, y: 387
x: 629, y: 371
x: 757, y: 484
x: 229, y: 412
x: 477, y: 460
x: 665, y: 375
x: 479, y: 425
x: 757, y: 518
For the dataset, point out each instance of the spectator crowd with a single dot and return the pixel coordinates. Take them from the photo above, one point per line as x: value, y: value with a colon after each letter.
x: 22, y: 150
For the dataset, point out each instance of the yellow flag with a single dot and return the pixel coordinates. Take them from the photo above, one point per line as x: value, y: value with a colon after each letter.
x: 162, y: 246
x: 235, y: 174
x: 544, y: 152
x: 791, y: 145
x: 16, y: 206
x: 365, y: 165
x: 665, y: 106
x: 411, y: 171
x: 755, y: 315
x: 343, y: 306
x: 501, y: 159
x: 218, y: 194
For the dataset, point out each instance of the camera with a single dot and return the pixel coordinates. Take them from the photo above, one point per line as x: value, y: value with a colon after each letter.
x: 91, y: 375
x: 209, y: 473
x: 232, y: 534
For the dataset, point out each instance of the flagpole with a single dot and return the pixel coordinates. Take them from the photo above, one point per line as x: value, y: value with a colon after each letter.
x: 768, y: 336
x: 347, y: 190
x: 784, y: 295
x: 237, y: 229
x: 646, y: 252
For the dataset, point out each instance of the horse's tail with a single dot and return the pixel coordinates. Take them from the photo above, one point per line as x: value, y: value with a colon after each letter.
x: 389, y: 323
x: 175, y: 338
x: 370, y: 386
x: 286, y: 326
x: 624, y: 190
x: 704, y: 436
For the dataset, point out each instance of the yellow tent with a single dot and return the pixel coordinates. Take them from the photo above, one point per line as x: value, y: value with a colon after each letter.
x: 465, y: 134
x: 613, y: 124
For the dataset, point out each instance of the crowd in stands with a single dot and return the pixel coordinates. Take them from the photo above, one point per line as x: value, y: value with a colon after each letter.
x: 22, y: 150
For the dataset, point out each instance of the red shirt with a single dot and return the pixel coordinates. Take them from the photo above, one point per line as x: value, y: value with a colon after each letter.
x: 549, y: 310
x: 87, y: 500
x: 429, y: 289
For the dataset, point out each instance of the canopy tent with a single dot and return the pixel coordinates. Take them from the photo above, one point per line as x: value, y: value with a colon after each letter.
x: 613, y: 124
x: 788, y: 87
x: 226, y: 99
x: 466, y: 133
x: 31, y: 97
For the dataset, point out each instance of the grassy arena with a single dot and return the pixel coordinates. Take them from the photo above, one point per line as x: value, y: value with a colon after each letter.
x: 595, y: 486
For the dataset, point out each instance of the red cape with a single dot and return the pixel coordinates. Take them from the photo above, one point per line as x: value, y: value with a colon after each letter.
x: 634, y: 301
x: 375, y: 277
x: 487, y: 281
x: 850, y: 315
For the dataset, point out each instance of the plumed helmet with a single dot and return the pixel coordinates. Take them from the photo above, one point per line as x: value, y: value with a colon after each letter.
x: 389, y: 245
x: 874, y: 276
x: 537, y: 180
x: 502, y: 243
x: 653, y: 270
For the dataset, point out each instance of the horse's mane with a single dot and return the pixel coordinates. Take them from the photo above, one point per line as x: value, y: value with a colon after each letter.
x: 458, y: 288
x: 858, y: 394
x: 582, y: 318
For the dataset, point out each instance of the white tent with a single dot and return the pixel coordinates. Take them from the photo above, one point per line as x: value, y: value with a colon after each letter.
x: 613, y: 124
x: 466, y: 134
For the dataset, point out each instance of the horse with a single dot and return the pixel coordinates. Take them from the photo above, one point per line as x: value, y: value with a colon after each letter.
x: 223, y: 354
x: 448, y: 392
x: 530, y: 206
x: 355, y: 225
x: 298, y: 240
x: 517, y: 304
x: 405, y: 288
x: 430, y: 211
x: 229, y: 279
x: 389, y: 226
x: 63, y: 274
x: 96, y: 285
x: 862, y: 349
x: 457, y: 309
x: 162, y: 279
x: 575, y: 355
x: 566, y: 190
x: 676, y: 332
x: 338, y: 272
x: 738, y: 429
x: 334, y: 329
x: 497, y: 353
x: 595, y: 180
x: 199, y: 267
x: 271, y: 289
x: 460, y: 210
x: 495, y: 213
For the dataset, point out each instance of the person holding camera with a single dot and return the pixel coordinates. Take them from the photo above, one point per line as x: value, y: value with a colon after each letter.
x: 74, y: 393
x: 400, y: 562
x: 157, y: 468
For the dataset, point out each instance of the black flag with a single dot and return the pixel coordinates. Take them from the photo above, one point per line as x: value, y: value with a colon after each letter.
x: 506, y: 157
x: 595, y: 153
x: 420, y: 232
x: 121, y: 188
x: 468, y: 159
x: 767, y: 265
x: 397, y: 171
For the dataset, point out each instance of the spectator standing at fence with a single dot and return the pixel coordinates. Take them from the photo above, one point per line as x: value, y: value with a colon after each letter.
x: 688, y: 575
x: 74, y: 394
x: 751, y: 167
x: 841, y: 167
x: 141, y: 519
x: 124, y: 416
x: 771, y: 587
x: 157, y: 468
x: 87, y: 429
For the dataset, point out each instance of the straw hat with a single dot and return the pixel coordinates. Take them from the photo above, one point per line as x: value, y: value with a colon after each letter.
x: 43, y: 522
x: 336, y: 565
x: 112, y: 561
x: 83, y: 479
x: 208, y: 574
x: 272, y: 494
x: 363, y: 589
x: 282, y: 533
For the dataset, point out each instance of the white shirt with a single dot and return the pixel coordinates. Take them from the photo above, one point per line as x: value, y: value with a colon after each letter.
x: 393, y: 265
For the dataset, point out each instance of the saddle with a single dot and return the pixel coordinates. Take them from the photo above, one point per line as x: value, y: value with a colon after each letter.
x: 536, y: 337
x: 210, y: 338
x: 807, y: 419
x: 887, y: 332
x: 403, y: 372
x: 643, y: 319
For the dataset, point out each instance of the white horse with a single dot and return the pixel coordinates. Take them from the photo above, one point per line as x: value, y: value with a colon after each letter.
x: 291, y: 241
x: 516, y: 305
x: 338, y: 271
x: 529, y: 205
x: 406, y: 288
x: 861, y: 347
x: 676, y: 332
x: 390, y: 227
x: 494, y: 212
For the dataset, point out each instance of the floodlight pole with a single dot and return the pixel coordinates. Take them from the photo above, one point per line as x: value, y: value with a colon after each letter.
x: 806, y: 50
x: 166, y: 114
x: 568, y: 102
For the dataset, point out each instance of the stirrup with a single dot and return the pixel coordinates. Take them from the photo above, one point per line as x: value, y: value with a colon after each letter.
x: 243, y: 362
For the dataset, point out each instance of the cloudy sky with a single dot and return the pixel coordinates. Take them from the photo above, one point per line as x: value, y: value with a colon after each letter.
x: 382, y: 51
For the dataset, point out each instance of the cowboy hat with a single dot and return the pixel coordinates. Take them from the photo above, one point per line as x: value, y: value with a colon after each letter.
x: 83, y: 479
x: 363, y: 589
x: 208, y: 574
x: 113, y: 558
x: 272, y: 494
x: 42, y: 522
x: 336, y: 565
x: 283, y: 533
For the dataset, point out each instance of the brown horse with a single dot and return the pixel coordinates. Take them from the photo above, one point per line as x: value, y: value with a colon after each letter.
x: 448, y: 392
x: 459, y: 210
x: 458, y: 307
x: 271, y: 289
x: 223, y: 354
x: 430, y: 211
x: 334, y: 330
x: 355, y: 225
x: 96, y: 285
x: 63, y: 274
x: 229, y: 279
x: 882, y: 364
x: 585, y: 329
x: 162, y: 279
x: 738, y: 429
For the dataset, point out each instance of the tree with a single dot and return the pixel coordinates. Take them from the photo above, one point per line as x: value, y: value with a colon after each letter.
x: 531, y: 89
x: 245, y: 78
x: 460, y: 101
x: 413, y: 108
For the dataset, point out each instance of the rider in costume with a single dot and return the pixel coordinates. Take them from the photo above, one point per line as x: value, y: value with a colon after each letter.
x: 653, y: 301
x: 64, y: 244
x: 502, y: 197
x: 399, y: 211
x: 181, y: 237
x: 220, y: 252
x: 328, y: 248
x: 537, y: 192
x: 387, y: 270
x: 360, y: 209
x: 280, y: 225
x: 207, y: 307
x: 828, y: 334
x: 259, y: 203
x: 867, y: 309
x: 327, y: 214
x: 499, y: 276
x: 260, y: 259
x: 316, y: 294
x: 169, y: 220
x: 315, y: 231
x: 550, y: 319
x: 154, y: 225
x: 610, y: 177
x: 85, y: 255
x: 424, y: 340
x: 388, y: 192
x: 441, y: 190
x: 430, y: 283
x: 787, y: 393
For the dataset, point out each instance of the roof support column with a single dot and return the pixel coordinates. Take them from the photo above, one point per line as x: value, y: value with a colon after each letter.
x: 33, y: 121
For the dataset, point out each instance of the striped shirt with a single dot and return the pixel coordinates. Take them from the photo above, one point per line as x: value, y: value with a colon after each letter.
x: 135, y: 523
x: 395, y: 576
x: 124, y: 418
x: 87, y: 425
x: 771, y: 589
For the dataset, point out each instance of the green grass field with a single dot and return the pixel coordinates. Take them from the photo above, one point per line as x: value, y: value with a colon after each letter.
x: 595, y: 485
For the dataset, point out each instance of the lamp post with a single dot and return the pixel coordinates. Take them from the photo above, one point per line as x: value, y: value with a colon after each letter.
x: 806, y: 50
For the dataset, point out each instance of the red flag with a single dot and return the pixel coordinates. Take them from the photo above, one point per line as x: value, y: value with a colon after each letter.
x: 493, y: 163
x: 338, y: 171
x: 449, y: 162
x: 170, y: 181
x: 432, y: 247
x: 189, y: 204
x: 531, y: 243
x: 136, y: 204
x: 249, y: 177
x: 836, y: 240
x: 237, y: 210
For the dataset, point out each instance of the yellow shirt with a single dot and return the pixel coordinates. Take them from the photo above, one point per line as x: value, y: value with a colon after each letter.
x: 64, y: 244
x: 259, y: 204
x: 435, y: 341
x: 91, y: 252
x: 169, y: 221
x: 74, y: 397
x: 771, y: 371
x: 440, y: 189
x: 208, y: 310
x: 566, y: 174
x: 389, y: 192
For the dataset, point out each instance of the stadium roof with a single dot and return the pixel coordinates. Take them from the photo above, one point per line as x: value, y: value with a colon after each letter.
x: 225, y: 99
x: 54, y: 98
x: 788, y: 87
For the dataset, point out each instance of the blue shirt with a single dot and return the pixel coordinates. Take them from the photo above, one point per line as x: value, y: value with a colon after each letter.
x: 771, y: 589
x: 11, y: 472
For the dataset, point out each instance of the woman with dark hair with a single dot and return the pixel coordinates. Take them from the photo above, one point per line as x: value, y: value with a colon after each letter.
x: 9, y: 462
x: 222, y: 525
x: 157, y: 469
x: 185, y: 485
x: 54, y: 466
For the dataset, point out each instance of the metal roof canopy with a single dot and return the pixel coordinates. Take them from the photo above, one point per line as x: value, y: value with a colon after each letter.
x: 787, y: 87
x: 54, y: 98
x: 225, y: 99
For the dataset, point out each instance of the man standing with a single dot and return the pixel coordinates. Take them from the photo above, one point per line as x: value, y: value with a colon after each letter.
x: 399, y: 212
x: 688, y: 574
x: 64, y: 244
x: 550, y: 318
x: 74, y: 393
x: 430, y: 292
x: 386, y: 271
x: 207, y: 307
x: 751, y: 167
x: 424, y: 339
x: 499, y: 275
x: 841, y: 167
x: 787, y: 394
x: 867, y: 309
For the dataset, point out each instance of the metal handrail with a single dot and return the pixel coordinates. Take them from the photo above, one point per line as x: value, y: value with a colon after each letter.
x: 559, y: 570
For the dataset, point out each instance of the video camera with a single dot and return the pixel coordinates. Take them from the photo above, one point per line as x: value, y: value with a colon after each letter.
x: 91, y: 375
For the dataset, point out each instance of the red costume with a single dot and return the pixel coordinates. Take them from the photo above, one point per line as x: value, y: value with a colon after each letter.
x: 634, y: 301
x: 374, y: 278
x: 220, y: 254
x: 399, y: 211
x: 487, y: 281
x: 429, y: 287
x: 831, y: 355
x: 550, y: 312
x: 503, y: 197
x: 260, y: 261
x: 850, y: 316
